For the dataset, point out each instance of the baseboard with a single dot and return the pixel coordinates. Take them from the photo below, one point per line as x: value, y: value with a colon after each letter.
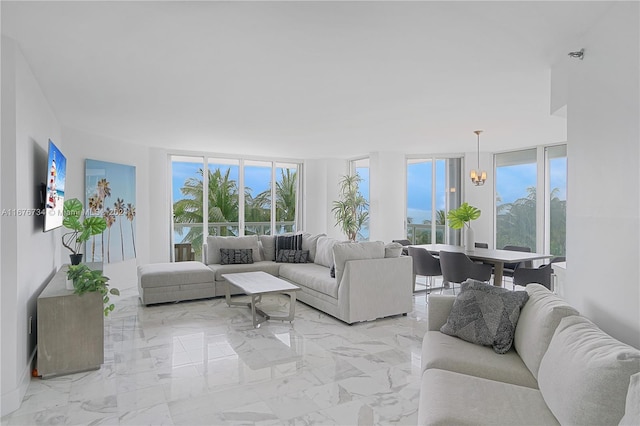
x: 12, y: 400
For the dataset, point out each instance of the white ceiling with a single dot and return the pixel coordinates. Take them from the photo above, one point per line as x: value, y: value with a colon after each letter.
x: 303, y: 79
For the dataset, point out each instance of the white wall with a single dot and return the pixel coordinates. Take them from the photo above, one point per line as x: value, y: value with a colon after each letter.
x: 81, y: 146
x: 29, y: 256
x: 321, y: 179
x: 603, y: 160
x: 387, y: 196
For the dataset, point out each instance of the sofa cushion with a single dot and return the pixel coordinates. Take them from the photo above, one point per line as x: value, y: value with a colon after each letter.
x: 288, y: 242
x: 214, y: 244
x: 310, y: 275
x: 292, y: 256
x: 584, y: 375
x: 266, y: 266
x: 268, y: 246
x: 393, y: 250
x: 235, y: 256
x: 173, y: 274
x: 310, y: 242
x: 449, y: 398
x: 485, y: 314
x: 538, y: 321
x: 355, y: 251
x: 632, y: 407
x: 324, y: 251
x: 453, y: 354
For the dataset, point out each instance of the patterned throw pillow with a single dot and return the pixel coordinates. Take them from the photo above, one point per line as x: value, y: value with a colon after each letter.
x: 288, y: 242
x: 292, y: 256
x: 235, y: 256
x: 485, y: 315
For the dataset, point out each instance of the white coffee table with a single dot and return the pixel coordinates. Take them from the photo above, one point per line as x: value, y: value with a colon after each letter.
x: 256, y: 285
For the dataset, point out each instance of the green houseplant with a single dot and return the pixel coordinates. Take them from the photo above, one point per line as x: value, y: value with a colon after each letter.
x: 461, y: 217
x: 350, y: 210
x: 80, y: 229
x: 86, y: 280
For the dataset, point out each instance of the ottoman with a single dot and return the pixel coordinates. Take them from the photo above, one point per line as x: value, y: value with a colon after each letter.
x: 173, y: 282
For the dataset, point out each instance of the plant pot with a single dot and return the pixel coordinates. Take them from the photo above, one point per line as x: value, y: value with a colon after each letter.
x: 75, y: 258
x: 469, y: 240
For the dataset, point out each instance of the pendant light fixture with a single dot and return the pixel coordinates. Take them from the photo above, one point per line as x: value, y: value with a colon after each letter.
x: 478, y: 177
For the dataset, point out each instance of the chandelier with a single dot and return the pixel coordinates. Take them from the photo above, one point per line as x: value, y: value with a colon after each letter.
x: 478, y: 177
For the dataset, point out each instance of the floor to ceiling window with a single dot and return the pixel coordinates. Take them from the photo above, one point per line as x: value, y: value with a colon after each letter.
x: 433, y: 188
x: 361, y: 167
x: 556, y: 194
x: 228, y: 210
x: 523, y: 178
x: 516, y: 182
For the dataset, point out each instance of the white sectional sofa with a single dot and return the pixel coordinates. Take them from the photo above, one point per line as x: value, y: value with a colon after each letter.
x: 562, y: 369
x: 371, y: 280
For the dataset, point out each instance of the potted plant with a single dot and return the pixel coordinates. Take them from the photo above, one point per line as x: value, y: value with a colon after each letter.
x: 461, y: 217
x: 350, y: 210
x: 86, y: 280
x: 81, y: 230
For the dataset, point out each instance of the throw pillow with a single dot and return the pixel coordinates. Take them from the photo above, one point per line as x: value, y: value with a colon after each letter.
x: 393, y: 250
x: 288, y: 242
x: 235, y: 256
x: 485, y: 315
x: 292, y: 256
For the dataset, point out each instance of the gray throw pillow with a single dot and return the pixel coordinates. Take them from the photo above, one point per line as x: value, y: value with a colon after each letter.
x: 292, y: 256
x: 485, y: 315
x: 235, y: 256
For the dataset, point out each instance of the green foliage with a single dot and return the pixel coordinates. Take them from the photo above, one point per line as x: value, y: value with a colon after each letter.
x: 86, y: 280
x: 81, y: 230
x: 461, y: 216
x: 350, y: 210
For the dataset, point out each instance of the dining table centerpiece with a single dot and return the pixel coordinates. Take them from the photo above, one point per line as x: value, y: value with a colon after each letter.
x: 461, y: 218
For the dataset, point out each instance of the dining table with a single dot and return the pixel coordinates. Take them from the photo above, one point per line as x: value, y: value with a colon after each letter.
x: 496, y: 257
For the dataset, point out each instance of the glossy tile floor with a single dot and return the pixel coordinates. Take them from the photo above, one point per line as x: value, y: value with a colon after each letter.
x: 201, y: 362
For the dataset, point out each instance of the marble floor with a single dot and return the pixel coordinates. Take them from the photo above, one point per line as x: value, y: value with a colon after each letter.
x: 203, y: 363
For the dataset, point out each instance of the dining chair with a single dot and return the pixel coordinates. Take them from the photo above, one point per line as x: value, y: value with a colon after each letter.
x: 482, y: 245
x: 424, y: 264
x: 542, y: 275
x: 509, y: 268
x: 457, y: 267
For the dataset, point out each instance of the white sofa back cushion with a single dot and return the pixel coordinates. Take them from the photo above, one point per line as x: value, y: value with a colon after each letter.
x: 538, y: 320
x: 584, y: 375
x: 324, y: 251
x: 214, y: 244
x: 393, y: 250
x: 268, y: 247
x: 355, y: 251
x: 310, y: 242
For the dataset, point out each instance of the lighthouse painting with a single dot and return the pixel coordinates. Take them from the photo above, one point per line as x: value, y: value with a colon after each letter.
x: 54, y: 198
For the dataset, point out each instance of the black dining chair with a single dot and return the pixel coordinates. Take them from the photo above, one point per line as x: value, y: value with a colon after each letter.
x: 425, y: 265
x: 482, y: 245
x: 509, y: 268
x: 457, y: 268
x: 540, y: 275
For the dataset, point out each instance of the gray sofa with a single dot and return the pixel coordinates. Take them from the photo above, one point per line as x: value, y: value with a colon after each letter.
x: 562, y: 369
x: 371, y: 280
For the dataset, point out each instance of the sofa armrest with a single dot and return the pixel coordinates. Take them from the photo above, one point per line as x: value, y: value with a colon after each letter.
x: 439, y: 307
x: 375, y: 288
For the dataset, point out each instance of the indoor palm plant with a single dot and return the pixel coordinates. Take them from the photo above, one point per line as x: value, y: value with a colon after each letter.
x: 86, y: 280
x: 81, y: 229
x: 461, y: 217
x: 350, y: 210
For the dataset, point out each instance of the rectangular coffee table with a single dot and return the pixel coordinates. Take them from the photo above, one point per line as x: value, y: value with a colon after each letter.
x: 256, y: 285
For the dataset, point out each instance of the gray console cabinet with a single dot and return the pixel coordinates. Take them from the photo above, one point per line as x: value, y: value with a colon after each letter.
x: 70, y: 329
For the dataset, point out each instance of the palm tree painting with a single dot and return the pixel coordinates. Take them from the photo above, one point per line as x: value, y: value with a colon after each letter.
x: 117, y: 182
